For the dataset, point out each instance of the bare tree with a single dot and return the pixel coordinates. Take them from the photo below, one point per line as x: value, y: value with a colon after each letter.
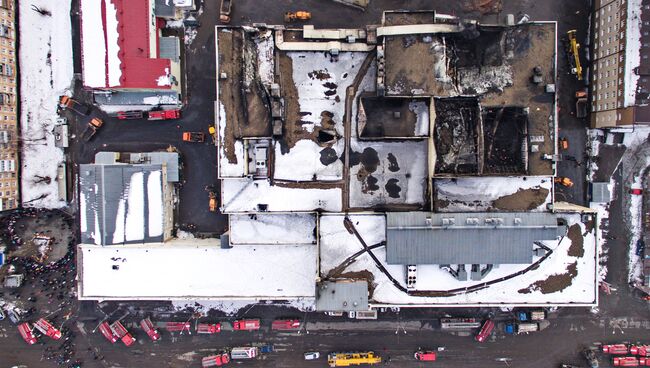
x: 40, y: 11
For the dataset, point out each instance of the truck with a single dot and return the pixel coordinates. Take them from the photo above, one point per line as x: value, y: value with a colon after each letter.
x: 285, y: 324
x: 352, y: 358
x: 644, y: 362
x: 92, y: 128
x: 626, y: 362
x: 148, y: 327
x: 425, y: 355
x: 66, y: 103
x: 46, y: 328
x: 163, y: 114
x: 534, y: 315
x: 208, y: 328
x: 459, y: 323
x: 246, y: 325
x: 249, y: 352
x: 298, y: 15
x: 25, y: 331
x: 485, y: 331
x: 616, y: 349
x: 131, y: 114
x: 193, y: 137
x: 224, y: 11
x: 212, y: 201
x: 177, y: 326
x: 105, y: 329
x: 640, y: 350
x: 216, y: 360
x: 581, y: 104
x: 525, y: 327
x: 121, y: 332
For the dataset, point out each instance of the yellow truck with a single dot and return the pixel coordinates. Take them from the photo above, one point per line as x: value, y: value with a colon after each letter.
x: 350, y: 359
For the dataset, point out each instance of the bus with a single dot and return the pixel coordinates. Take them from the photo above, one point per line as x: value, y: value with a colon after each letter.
x: 353, y: 358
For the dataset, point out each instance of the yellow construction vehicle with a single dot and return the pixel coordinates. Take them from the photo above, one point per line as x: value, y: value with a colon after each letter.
x: 576, y: 68
x: 212, y: 201
x: 299, y: 15
x: 348, y: 359
x: 564, y: 181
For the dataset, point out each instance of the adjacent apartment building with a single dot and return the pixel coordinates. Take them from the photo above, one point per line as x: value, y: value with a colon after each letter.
x: 620, y: 66
x: 8, y: 123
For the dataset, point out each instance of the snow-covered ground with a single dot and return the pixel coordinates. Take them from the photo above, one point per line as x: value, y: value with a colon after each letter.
x: 243, y: 195
x: 635, y: 270
x: 198, y: 269
x: 480, y: 193
x: 46, y: 72
x: 281, y: 228
x: 336, y: 244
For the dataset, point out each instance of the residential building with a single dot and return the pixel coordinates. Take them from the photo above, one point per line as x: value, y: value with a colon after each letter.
x: 9, y: 189
x: 620, y: 65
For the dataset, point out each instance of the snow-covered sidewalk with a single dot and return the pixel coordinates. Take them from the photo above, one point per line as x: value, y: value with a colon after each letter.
x: 46, y: 72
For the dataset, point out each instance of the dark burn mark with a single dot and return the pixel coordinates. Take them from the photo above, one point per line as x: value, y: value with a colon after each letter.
x: 392, y: 188
x: 392, y: 163
x: 345, y: 75
x: 369, y: 185
x: 330, y: 85
x: 319, y: 74
x: 305, y: 113
x: 370, y: 159
x: 330, y: 92
x: 328, y: 155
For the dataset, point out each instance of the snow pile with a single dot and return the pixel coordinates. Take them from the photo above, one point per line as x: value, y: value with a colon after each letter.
x: 226, y: 168
x: 580, y: 289
x: 632, y: 50
x: 421, y: 110
x: 243, y: 195
x: 290, y: 228
x: 480, y: 193
x: 46, y: 73
x: 635, y: 269
x: 165, y: 79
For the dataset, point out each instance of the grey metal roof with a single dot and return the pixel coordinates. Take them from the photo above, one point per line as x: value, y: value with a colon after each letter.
x: 170, y: 159
x: 170, y: 48
x: 342, y: 296
x: 165, y: 8
x: 466, y: 238
x: 600, y: 193
x: 102, y: 189
x: 122, y: 97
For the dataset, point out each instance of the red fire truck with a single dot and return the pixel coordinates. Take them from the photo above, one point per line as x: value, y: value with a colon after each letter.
x: 164, y: 114
x: 25, y: 331
x: 285, y: 324
x: 641, y: 350
x: 425, y: 356
x: 485, y: 331
x: 616, y: 349
x: 120, y: 331
x: 246, y: 325
x: 46, y: 328
x: 644, y: 362
x: 178, y: 326
x: 148, y: 327
x: 215, y: 360
x: 105, y: 329
x: 626, y: 362
x: 208, y: 328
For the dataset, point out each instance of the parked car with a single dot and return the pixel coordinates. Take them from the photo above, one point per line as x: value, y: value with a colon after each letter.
x: 312, y: 355
x: 485, y: 331
x: 13, y: 315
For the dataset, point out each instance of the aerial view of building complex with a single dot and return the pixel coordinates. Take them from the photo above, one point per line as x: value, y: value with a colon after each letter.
x: 190, y: 183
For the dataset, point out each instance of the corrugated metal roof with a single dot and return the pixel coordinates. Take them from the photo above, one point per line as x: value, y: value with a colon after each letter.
x: 165, y: 9
x: 466, y: 238
x: 154, y: 158
x: 170, y: 48
x: 102, y: 188
x: 342, y: 296
x: 600, y: 192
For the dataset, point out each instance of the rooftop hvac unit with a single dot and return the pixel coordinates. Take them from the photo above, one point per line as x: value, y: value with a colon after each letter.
x: 448, y: 221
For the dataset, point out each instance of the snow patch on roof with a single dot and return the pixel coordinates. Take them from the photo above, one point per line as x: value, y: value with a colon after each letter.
x: 112, y: 35
x: 632, y: 50
x: 284, y: 228
x: 118, y: 234
x: 303, y: 162
x: 93, y: 44
x: 155, y: 202
x: 46, y: 71
x: 164, y: 80
x: 134, y: 216
x: 265, y: 57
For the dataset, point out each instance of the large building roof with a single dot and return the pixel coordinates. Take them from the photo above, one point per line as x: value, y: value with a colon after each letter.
x: 120, y: 46
x: 466, y: 238
x: 121, y: 203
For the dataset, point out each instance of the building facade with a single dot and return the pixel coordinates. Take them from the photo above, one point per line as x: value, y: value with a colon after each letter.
x: 9, y: 188
x: 620, y: 64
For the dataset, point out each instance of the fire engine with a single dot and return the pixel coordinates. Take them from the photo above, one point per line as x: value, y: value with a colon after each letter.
x: 148, y: 327
x: 105, y: 329
x: 25, y: 331
x: 617, y: 349
x: 177, y: 326
x: 215, y: 360
x: 121, y: 332
x: 208, y: 328
x: 626, y: 362
x: 47, y: 329
x: 641, y: 350
x: 286, y: 324
x: 246, y: 325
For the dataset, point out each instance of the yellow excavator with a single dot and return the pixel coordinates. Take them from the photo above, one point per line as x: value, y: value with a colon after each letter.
x: 574, y: 58
x: 299, y: 15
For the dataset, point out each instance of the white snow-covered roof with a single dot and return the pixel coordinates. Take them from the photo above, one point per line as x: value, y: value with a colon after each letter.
x: 280, y: 228
x: 46, y: 71
x: 196, y: 269
x: 632, y: 50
